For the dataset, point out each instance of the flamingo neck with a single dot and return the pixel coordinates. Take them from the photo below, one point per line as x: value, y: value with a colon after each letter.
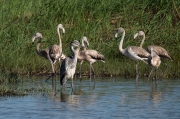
x: 59, y: 38
x: 83, y: 44
x: 121, y: 43
x: 142, y: 42
x: 81, y: 55
x: 38, y: 46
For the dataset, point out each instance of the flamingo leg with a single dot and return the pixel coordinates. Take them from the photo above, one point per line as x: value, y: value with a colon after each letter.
x: 80, y: 70
x: 48, y: 78
x: 93, y: 71
x: 91, y: 68
x: 164, y: 70
x: 145, y: 62
x: 53, y: 73
x: 155, y: 75
x: 150, y: 74
x: 137, y: 76
x: 90, y: 76
x: 93, y: 74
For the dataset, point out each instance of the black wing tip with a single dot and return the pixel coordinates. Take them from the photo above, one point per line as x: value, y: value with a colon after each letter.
x: 172, y: 59
x: 61, y: 78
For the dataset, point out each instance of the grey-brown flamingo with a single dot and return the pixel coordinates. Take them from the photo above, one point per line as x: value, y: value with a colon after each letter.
x: 133, y: 52
x: 55, y: 51
x: 154, y: 61
x: 90, y: 56
x: 160, y: 51
x: 68, y: 66
x: 44, y: 52
x: 83, y: 41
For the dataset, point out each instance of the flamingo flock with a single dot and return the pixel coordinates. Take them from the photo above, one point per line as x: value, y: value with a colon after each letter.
x: 151, y: 55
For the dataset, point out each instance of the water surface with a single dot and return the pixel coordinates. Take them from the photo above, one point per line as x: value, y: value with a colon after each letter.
x: 110, y: 98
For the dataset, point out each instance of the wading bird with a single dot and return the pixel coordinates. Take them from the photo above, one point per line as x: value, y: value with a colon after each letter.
x: 84, y: 40
x: 133, y: 52
x: 44, y: 52
x: 160, y: 51
x: 68, y: 66
x: 90, y: 56
x: 154, y: 61
x: 55, y: 51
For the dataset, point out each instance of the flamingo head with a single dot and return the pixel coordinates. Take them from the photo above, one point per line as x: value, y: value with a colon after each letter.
x: 37, y: 35
x: 60, y: 26
x: 139, y: 33
x: 119, y: 30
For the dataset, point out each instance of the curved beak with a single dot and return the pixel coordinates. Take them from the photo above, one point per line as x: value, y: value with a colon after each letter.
x: 33, y: 38
x: 135, y: 35
x: 87, y: 44
x: 116, y: 35
x: 82, y: 46
x: 63, y: 30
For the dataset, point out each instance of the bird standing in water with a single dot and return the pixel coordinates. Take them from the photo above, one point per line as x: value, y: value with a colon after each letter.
x: 55, y: 51
x: 44, y: 52
x: 68, y: 66
x: 160, y: 51
x: 133, y: 52
x: 154, y: 61
x: 90, y: 56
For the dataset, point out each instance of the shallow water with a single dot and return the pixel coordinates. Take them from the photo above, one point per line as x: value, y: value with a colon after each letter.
x: 108, y: 99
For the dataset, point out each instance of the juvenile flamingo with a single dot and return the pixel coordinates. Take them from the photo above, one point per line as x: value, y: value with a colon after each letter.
x: 84, y: 40
x: 154, y: 61
x: 133, y: 52
x: 45, y: 52
x: 160, y: 51
x: 90, y: 56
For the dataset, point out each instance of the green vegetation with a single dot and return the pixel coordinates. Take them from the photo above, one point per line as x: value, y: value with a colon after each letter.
x: 96, y: 19
x: 12, y: 84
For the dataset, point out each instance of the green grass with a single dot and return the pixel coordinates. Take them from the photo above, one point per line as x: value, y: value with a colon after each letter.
x: 96, y: 19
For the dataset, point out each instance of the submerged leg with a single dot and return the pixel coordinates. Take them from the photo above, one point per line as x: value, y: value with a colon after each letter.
x: 52, y: 75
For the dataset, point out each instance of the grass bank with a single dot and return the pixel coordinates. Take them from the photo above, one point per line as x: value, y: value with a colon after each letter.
x: 96, y: 19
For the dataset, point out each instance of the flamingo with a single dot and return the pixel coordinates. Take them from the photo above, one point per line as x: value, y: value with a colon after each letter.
x: 55, y: 51
x: 84, y: 39
x: 90, y: 56
x: 154, y: 61
x: 160, y: 51
x: 133, y: 52
x: 44, y: 52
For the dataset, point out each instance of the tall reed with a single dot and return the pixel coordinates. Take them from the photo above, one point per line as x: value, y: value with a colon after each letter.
x: 97, y: 19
